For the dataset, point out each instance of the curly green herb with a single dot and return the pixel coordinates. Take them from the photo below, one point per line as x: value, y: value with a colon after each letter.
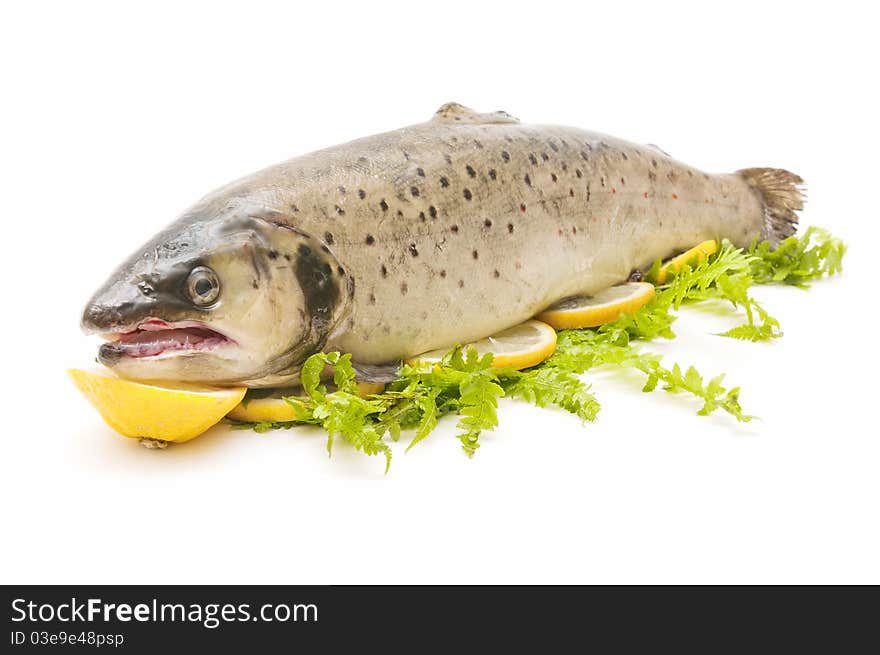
x: 467, y: 385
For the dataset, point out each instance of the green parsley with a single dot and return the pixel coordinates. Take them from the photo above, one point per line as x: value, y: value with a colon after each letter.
x: 468, y: 386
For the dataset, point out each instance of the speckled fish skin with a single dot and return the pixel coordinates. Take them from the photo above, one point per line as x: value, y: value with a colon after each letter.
x: 454, y: 229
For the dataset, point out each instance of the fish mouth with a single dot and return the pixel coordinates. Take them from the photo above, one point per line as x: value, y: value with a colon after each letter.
x: 157, y: 338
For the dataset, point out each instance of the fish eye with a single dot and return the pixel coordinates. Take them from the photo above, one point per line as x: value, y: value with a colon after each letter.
x: 203, y: 286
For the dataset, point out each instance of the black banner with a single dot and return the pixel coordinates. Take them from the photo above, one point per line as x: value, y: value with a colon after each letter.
x: 280, y: 618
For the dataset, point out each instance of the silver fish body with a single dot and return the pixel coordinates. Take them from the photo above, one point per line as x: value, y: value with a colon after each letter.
x: 452, y: 230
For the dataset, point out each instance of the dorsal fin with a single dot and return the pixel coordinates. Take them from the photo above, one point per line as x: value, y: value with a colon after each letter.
x: 452, y: 112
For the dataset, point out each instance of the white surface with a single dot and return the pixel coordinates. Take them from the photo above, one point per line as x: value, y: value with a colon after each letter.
x: 115, y: 119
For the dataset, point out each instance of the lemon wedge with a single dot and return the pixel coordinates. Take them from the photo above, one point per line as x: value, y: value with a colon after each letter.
x: 135, y: 409
x: 521, y: 346
x: 696, y: 254
x: 605, y: 306
x: 274, y: 409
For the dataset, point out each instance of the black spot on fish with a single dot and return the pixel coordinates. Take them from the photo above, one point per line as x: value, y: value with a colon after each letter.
x: 487, y: 223
x: 492, y: 174
x: 544, y: 156
x: 505, y: 156
x: 454, y: 229
x: 564, y: 166
x: 553, y: 177
x: 384, y: 271
x: 496, y: 273
x: 340, y: 270
x: 584, y: 155
x: 325, y: 249
x: 328, y: 237
x: 527, y: 179
x: 553, y: 147
x: 654, y: 163
x: 404, y: 287
x: 470, y: 170
x: 442, y: 272
x: 342, y: 190
x: 420, y: 172
x: 370, y: 240
x: 362, y: 194
x: 413, y: 250
x: 320, y: 291
x: 475, y: 254
x: 578, y: 172
x: 533, y: 159
x: 448, y: 159
x: 444, y: 182
x: 372, y: 299
x: 399, y: 214
x: 422, y: 216
x: 432, y: 210
x: 294, y: 208
x: 467, y: 194
x: 510, y: 228
x: 461, y: 284
x: 383, y: 205
x: 478, y: 144
x: 340, y: 210
x: 273, y: 254
x: 255, y: 284
x: 623, y: 155
x: 414, y: 191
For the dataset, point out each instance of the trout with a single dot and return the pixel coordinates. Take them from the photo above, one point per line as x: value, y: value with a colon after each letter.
x: 392, y: 245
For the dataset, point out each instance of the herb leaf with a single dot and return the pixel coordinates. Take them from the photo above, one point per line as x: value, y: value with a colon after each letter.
x: 465, y: 384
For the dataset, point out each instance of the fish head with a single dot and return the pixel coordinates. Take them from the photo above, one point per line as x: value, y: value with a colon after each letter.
x: 226, y: 301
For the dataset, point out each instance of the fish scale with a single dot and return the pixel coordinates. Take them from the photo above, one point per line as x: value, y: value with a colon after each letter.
x: 457, y: 228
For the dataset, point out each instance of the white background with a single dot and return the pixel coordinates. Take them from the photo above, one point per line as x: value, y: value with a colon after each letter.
x: 115, y: 119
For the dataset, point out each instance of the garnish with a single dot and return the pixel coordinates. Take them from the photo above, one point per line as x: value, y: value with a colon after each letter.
x: 467, y: 384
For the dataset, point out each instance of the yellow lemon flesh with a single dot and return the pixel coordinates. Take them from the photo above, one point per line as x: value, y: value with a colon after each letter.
x: 135, y: 409
x: 696, y: 254
x: 604, y: 307
x: 521, y: 346
x: 274, y: 409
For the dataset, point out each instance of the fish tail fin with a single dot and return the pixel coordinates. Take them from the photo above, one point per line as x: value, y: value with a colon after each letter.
x: 781, y: 196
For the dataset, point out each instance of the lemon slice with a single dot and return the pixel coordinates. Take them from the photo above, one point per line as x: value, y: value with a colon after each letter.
x: 605, y: 306
x: 521, y: 346
x: 272, y: 408
x: 696, y: 254
x: 135, y: 409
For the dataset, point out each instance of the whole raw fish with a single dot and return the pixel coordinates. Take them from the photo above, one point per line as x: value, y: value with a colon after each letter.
x: 399, y: 243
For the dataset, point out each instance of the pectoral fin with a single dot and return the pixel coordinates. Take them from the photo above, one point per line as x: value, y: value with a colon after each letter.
x: 374, y: 373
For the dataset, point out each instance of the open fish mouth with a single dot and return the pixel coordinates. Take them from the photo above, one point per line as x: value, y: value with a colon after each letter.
x: 154, y: 338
